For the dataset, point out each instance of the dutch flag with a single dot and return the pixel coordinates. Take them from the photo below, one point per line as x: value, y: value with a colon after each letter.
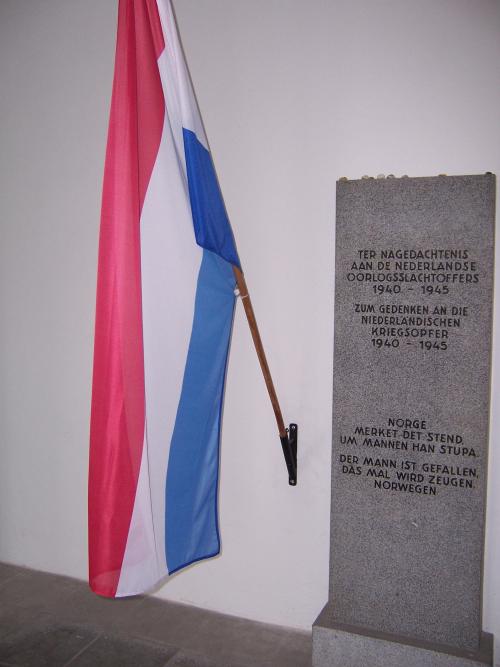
x: 165, y: 303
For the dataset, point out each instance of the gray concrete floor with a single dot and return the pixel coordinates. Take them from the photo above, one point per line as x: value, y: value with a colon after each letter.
x: 52, y: 621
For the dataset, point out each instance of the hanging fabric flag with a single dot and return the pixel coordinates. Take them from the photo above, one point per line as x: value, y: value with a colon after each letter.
x: 165, y: 302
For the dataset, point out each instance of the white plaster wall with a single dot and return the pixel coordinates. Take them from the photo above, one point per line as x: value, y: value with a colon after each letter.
x: 294, y: 95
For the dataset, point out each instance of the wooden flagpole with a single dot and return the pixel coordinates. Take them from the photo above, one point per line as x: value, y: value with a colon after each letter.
x: 289, y: 448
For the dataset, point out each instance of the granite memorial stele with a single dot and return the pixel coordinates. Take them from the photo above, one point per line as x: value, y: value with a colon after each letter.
x: 411, y: 401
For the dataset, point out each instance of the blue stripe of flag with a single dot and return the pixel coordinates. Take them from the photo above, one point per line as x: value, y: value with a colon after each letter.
x: 191, y: 515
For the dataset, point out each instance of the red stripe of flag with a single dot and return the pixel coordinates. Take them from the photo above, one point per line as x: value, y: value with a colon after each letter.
x: 118, y: 399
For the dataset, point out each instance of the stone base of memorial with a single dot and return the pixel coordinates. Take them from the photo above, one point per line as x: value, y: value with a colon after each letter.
x: 411, y: 403
x: 339, y: 645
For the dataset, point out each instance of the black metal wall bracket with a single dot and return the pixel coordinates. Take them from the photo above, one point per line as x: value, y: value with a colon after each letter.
x: 289, y: 445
